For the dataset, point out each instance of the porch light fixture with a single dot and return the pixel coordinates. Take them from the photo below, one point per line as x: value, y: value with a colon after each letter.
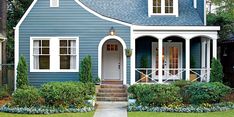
x: 112, y: 31
x: 169, y: 41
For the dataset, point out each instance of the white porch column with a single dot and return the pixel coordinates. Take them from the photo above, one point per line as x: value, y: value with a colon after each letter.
x: 133, y: 66
x: 160, y: 64
x: 203, y: 56
x: 208, y: 60
x: 214, y: 48
x: 187, y: 51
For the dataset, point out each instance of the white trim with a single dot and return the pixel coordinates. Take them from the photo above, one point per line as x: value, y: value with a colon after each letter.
x: 54, y: 54
x: 195, y: 4
x: 205, y: 23
x: 214, y: 45
x: 16, y: 54
x: 160, y: 52
x: 208, y: 59
x: 133, y: 66
x: 99, y: 15
x: 100, y: 56
x: 175, y: 9
x: 187, y: 58
x: 51, y: 5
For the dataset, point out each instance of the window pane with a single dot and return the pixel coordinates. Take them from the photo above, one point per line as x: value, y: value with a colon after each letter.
x: 65, y: 62
x: 45, y: 51
x: 44, y: 62
x: 72, y: 50
x: 63, y: 50
x: 36, y: 43
x: 72, y: 43
x: 63, y: 43
x: 45, y: 43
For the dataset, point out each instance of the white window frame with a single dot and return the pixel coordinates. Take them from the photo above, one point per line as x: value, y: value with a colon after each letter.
x: 175, y: 9
x: 51, y: 5
x: 54, y: 54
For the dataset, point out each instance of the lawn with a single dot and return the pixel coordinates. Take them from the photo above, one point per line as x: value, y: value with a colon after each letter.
x: 89, y: 114
x: 229, y: 113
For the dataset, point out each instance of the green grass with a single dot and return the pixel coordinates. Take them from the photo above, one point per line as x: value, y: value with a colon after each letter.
x: 89, y: 114
x: 229, y: 113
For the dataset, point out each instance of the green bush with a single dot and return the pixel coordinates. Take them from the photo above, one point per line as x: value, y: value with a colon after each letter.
x: 26, y: 97
x: 216, y: 74
x: 67, y: 94
x: 86, y: 70
x: 206, y: 92
x: 182, y: 83
x: 155, y: 94
x: 22, y: 73
x: 4, y: 91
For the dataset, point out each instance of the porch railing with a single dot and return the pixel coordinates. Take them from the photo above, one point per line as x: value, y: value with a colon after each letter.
x: 150, y: 75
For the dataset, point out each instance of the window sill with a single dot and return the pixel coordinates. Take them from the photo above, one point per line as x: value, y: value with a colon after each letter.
x: 75, y: 70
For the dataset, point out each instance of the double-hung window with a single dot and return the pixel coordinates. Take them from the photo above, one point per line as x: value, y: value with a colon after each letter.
x: 54, y: 54
x: 163, y: 7
x: 41, y: 54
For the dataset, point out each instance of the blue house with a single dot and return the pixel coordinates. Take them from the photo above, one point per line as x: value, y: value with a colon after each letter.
x: 131, y: 41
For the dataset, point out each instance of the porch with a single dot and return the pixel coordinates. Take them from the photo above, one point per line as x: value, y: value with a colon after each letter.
x: 174, y: 55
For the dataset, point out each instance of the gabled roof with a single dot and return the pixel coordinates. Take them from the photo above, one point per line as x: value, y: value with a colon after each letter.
x: 136, y: 12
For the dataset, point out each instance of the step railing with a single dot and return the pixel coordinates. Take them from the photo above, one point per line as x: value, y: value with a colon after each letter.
x: 201, y: 74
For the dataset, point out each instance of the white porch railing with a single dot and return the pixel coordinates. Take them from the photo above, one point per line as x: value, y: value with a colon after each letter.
x: 148, y: 75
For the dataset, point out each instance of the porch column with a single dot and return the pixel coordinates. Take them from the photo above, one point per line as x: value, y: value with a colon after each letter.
x: 214, y: 48
x: 208, y: 60
x: 187, y: 51
x: 160, y: 64
x: 203, y: 56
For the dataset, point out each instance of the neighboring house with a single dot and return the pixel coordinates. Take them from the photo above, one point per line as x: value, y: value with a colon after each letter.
x: 55, y: 35
x: 2, y: 34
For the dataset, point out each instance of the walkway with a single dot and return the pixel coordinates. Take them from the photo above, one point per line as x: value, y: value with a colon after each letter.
x: 111, y: 109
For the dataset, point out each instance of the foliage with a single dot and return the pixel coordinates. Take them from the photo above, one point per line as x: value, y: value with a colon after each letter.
x: 206, y: 92
x: 66, y: 94
x: 155, y: 94
x: 216, y: 74
x: 192, y: 62
x: 182, y: 83
x: 184, y: 108
x: 224, y: 5
x: 26, y: 97
x: 97, y: 80
x: 144, y: 62
x: 44, y: 110
x: 86, y: 70
x: 16, y: 9
x: 4, y: 91
x: 22, y: 73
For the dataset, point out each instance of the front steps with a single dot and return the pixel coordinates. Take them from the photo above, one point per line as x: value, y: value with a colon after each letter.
x: 112, y: 91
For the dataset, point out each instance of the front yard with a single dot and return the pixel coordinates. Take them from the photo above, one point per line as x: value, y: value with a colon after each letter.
x: 229, y: 113
x: 89, y: 114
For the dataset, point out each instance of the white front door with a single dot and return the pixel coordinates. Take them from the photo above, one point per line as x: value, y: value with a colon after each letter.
x: 172, y: 60
x: 112, y: 60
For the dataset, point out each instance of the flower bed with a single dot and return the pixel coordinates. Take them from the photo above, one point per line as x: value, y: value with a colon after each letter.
x: 53, y: 97
x: 184, y: 109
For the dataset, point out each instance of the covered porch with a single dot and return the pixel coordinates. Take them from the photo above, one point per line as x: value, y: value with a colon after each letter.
x: 162, y: 56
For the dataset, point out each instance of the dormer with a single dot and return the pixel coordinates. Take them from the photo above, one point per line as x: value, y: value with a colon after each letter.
x: 163, y: 8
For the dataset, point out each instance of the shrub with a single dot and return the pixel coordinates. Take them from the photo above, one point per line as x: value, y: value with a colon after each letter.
x: 67, y: 94
x: 26, y: 97
x: 206, y: 92
x: 216, y: 74
x: 182, y: 83
x: 86, y: 70
x: 22, y: 73
x: 4, y: 91
x: 155, y: 94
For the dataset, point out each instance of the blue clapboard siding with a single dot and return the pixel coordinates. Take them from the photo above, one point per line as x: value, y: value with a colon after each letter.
x: 69, y: 19
x: 200, y: 9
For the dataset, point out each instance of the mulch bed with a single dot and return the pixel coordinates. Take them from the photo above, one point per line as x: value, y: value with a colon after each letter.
x: 4, y: 100
x: 229, y: 97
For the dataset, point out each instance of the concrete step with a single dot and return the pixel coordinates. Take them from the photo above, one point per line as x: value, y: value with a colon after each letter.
x: 111, y: 94
x: 111, y: 98
x: 112, y: 90
x: 112, y: 86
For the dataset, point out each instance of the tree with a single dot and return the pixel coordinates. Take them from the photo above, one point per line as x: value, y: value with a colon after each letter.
x: 16, y: 9
x: 22, y: 73
x: 86, y: 70
x: 216, y: 74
